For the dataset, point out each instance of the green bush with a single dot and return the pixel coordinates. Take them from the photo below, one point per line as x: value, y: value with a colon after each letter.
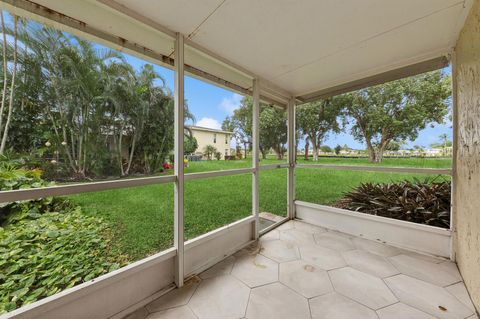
x: 12, y: 177
x: 42, y: 256
x: 47, y: 245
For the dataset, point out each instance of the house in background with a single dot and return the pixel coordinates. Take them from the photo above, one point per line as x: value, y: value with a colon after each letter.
x: 207, y: 136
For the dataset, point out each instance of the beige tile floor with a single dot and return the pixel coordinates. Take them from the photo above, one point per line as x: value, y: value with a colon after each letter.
x: 302, y: 271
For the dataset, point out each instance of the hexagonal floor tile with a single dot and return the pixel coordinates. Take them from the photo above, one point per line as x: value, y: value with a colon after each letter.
x: 308, y: 228
x: 222, y: 268
x: 336, y: 306
x: 251, y: 249
x: 324, y: 258
x: 175, y: 298
x: 221, y: 297
x: 286, y: 225
x: 376, y: 247
x: 271, y: 235
x: 427, y: 297
x: 304, y: 278
x: 334, y: 241
x: 297, y: 237
x: 141, y: 313
x: 176, y: 313
x: 460, y: 291
x: 437, y: 274
x: 366, y: 289
x: 280, y: 251
x: 402, y: 311
x: 255, y: 270
x: 276, y: 301
x: 370, y: 263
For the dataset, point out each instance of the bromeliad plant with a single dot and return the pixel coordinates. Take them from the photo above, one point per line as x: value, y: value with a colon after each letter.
x: 424, y: 202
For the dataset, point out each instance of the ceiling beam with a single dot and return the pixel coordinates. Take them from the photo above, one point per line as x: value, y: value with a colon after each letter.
x: 22, y: 7
x: 396, y: 74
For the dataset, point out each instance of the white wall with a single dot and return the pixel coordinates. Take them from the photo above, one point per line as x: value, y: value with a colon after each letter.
x: 467, y: 170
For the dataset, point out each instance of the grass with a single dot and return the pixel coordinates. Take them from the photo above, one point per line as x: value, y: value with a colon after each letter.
x: 143, y: 216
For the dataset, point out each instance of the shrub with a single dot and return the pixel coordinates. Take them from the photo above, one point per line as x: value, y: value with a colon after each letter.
x: 419, y: 202
x: 43, y: 255
x: 12, y: 177
x: 47, y: 245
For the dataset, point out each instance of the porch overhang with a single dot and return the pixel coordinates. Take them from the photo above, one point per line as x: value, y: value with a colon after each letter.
x: 288, y: 61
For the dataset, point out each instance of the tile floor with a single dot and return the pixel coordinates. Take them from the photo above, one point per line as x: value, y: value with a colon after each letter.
x: 301, y: 271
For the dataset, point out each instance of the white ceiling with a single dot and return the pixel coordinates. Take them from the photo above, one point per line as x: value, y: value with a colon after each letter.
x: 307, y: 45
x: 301, y: 46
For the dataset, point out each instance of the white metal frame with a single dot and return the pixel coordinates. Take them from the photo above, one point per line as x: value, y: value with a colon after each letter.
x: 255, y: 157
x: 178, y: 164
x: 261, y: 89
x: 291, y: 148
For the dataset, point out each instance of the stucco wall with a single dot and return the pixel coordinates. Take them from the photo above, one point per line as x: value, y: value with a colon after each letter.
x: 205, y: 138
x: 467, y: 193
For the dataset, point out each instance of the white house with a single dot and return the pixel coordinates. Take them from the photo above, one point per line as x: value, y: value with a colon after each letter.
x: 208, y: 136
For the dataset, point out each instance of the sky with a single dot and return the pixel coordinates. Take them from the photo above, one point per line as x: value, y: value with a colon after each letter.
x: 211, y: 105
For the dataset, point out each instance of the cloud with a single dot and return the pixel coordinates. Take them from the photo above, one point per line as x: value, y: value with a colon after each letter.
x: 230, y: 104
x: 210, y: 123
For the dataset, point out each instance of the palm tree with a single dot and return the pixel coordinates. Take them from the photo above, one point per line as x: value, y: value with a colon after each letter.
x: 444, y: 140
x: 6, y: 128
x: 209, y: 151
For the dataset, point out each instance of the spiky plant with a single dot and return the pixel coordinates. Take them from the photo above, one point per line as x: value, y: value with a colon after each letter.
x: 424, y: 202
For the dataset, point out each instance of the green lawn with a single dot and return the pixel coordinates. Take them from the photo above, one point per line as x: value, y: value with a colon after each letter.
x: 143, y: 216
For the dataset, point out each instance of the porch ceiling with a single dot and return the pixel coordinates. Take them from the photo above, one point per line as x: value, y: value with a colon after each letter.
x: 300, y: 47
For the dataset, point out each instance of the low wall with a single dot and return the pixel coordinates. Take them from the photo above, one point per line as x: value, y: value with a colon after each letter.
x: 421, y: 238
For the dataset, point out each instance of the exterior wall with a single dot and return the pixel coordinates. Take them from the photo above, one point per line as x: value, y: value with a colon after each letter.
x: 205, y: 138
x: 467, y: 167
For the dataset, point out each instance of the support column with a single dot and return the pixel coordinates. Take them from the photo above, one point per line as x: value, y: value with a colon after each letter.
x: 255, y: 156
x: 178, y: 165
x: 291, y: 158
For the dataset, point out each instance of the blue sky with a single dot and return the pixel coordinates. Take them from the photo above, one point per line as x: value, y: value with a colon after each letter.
x: 211, y: 104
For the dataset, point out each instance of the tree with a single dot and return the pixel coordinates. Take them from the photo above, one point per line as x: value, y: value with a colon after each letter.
x: 240, y: 123
x: 190, y: 145
x: 86, y: 103
x: 6, y: 128
x: 209, y: 151
x: 395, y: 110
x: 393, y: 146
x: 326, y: 149
x: 315, y: 121
x: 273, y: 127
x: 338, y: 149
x: 273, y: 130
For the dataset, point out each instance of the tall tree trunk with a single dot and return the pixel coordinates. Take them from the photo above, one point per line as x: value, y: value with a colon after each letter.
x: 372, y: 155
x: 12, y: 87
x: 264, y: 153
x: 5, y: 81
x: 313, y: 139
x: 119, y: 150
x: 306, y: 149
x: 130, y: 159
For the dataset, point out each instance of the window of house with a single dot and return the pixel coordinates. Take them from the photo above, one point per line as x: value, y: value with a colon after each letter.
x: 226, y: 139
x: 214, y: 137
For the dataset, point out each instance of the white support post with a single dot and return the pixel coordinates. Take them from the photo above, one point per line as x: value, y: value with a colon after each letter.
x: 255, y: 157
x: 178, y: 165
x: 291, y: 158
